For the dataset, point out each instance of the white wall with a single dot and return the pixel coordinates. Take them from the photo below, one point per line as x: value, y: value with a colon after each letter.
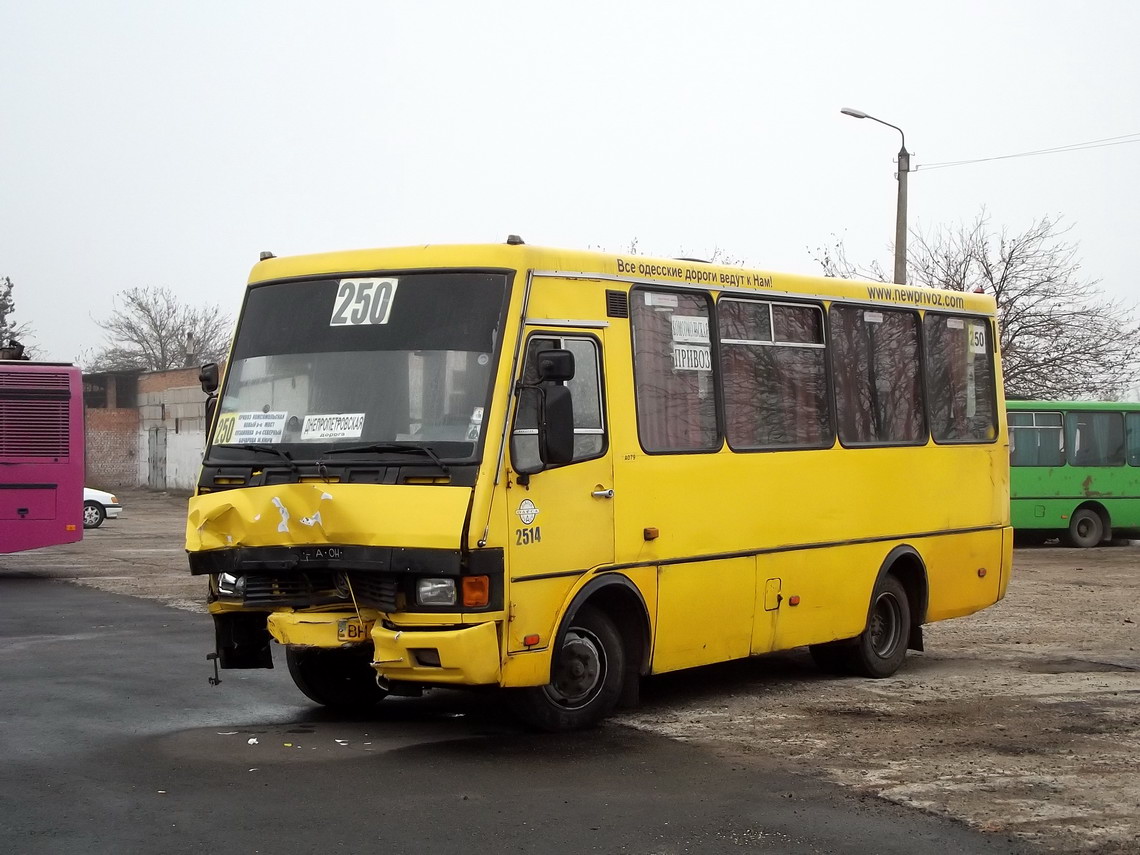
x: 180, y: 411
x: 184, y: 458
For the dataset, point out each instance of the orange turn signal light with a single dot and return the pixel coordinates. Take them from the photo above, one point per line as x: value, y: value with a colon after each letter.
x: 476, y: 591
x: 530, y: 640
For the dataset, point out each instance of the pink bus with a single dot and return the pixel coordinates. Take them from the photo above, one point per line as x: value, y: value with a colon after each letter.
x: 41, y: 454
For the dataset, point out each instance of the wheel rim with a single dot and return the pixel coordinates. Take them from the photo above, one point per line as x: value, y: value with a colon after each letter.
x: 580, y: 672
x: 886, y: 625
x: 1085, y: 528
x: 90, y: 515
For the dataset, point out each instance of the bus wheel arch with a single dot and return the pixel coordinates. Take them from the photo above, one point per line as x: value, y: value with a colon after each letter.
x: 895, y: 614
x: 907, y: 566
x: 1089, y: 526
x: 599, y: 652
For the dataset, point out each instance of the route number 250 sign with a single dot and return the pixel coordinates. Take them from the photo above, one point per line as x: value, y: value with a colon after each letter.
x: 363, y: 301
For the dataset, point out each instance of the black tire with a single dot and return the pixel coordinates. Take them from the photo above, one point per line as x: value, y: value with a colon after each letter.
x: 1030, y: 538
x: 881, y: 648
x: 93, y: 515
x: 586, y: 677
x: 1086, y: 529
x: 342, y: 679
x: 833, y: 657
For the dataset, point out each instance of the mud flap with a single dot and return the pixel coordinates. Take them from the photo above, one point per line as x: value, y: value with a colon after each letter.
x: 242, y: 640
x: 915, y: 640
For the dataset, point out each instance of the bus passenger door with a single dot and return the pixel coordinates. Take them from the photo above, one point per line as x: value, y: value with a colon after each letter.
x: 561, y: 519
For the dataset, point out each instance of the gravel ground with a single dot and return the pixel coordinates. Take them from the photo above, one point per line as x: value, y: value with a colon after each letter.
x: 1022, y: 719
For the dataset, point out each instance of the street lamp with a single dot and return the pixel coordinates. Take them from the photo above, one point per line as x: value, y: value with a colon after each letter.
x: 900, y: 216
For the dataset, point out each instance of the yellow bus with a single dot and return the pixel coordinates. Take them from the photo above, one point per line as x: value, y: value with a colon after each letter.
x: 556, y: 472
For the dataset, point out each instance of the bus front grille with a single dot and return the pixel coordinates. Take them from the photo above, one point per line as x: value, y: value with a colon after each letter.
x: 369, y: 590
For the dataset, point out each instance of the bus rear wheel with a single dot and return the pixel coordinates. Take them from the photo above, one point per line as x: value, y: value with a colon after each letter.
x: 880, y: 650
x: 1086, y: 529
x: 341, y: 679
x: 585, y: 677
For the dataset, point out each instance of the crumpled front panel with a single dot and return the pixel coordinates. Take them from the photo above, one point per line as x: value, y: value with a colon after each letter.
x: 315, y: 513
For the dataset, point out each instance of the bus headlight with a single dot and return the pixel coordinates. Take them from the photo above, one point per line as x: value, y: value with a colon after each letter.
x: 435, y: 592
x: 230, y: 585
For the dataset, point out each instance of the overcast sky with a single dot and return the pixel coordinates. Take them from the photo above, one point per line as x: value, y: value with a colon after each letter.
x: 167, y: 144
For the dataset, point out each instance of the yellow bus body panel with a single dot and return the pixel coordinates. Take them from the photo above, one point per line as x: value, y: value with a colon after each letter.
x: 316, y: 514
x: 719, y: 595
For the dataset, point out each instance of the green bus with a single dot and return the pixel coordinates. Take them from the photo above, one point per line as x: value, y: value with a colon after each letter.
x: 1074, y: 470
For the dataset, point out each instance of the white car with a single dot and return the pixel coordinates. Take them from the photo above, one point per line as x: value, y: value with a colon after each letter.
x: 98, y: 506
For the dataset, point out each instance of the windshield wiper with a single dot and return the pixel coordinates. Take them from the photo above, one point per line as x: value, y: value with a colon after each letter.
x: 269, y: 449
x: 386, y: 447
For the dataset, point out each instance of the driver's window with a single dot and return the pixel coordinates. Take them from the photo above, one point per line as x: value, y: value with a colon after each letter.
x: 585, y: 389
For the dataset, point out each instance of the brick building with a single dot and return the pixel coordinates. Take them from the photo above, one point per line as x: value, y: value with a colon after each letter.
x: 110, y: 404
x: 145, y: 429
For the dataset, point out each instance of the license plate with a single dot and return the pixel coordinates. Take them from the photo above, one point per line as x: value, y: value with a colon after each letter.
x: 351, y: 629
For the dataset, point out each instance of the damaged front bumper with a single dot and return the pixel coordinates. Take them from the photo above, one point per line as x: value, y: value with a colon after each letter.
x: 448, y: 655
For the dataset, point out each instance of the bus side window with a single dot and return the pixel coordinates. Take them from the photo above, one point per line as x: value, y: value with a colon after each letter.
x: 1036, y: 439
x: 1132, y: 429
x: 673, y: 371
x: 959, y: 378
x: 774, y: 374
x: 878, y: 388
x: 1095, y: 439
x: 585, y: 389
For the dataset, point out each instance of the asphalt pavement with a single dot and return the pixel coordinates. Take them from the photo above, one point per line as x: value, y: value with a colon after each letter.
x: 112, y: 740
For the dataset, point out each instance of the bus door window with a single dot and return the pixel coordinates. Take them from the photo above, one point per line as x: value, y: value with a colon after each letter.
x: 585, y: 390
x: 1095, y: 439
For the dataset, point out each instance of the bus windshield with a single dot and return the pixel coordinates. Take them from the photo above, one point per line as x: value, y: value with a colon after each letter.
x: 363, y: 364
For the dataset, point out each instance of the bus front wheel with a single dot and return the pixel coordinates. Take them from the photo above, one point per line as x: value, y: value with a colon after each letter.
x: 338, y: 678
x: 585, y: 677
x: 832, y: 657
x: 1086, y: 529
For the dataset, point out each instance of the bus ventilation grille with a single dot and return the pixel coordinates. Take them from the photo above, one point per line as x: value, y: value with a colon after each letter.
x: 34, y: 380
x: 34, y: 429
x: 617, y: 304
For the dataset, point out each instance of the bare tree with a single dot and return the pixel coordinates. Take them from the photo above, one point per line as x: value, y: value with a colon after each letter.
x: 1061, y: 336
x: 152, y: 330
x: 9, y: 330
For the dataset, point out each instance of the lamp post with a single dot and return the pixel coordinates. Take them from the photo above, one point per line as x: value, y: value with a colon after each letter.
x: 900, y: 216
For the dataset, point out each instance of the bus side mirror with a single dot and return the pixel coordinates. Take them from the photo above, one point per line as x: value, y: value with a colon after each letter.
x: 543, y: 434
x: 208, y: 377
x: 556, y: 365
x: 556, y: 426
